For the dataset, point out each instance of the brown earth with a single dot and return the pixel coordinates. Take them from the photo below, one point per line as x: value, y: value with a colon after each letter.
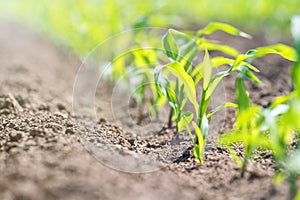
x: 44, y: 152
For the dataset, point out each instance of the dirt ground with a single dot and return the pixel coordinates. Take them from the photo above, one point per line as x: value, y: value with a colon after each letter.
x: 44, y: 153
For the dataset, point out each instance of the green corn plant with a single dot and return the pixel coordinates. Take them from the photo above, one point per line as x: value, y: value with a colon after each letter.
x: 143, y: 63
x: 245, y: 110
x: 273, y: 128
x: 182, y: 50
x: 254, y: 124
x: 289, y: 127
x: 136, y: 69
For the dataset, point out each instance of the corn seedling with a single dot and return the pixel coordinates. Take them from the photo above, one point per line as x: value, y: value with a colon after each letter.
x: 273, y: 128
x: 187, y: 78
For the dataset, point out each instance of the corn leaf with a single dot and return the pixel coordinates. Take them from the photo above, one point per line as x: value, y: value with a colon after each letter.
x: 243, y: 99
x: 217, y: 47
x: 282, y: 99
x: 179, y: 36
x: 186, y: 119
x: 184, y: 78
x: 171, y: 96
x: 170, y: 46
x: 235, y: 157
x: 239, y: 60
x: 207, y: 70
x: 204, y: 126
x: 215, y: 82
x: 188, y: 53
x: 252, y: 77
x: 213, y: 85
x: 203, y: 70
x: 212, y: 27
x: 200, y: 147
x: 218, y: 108
x: 218, y: 61
x: 282, y: 50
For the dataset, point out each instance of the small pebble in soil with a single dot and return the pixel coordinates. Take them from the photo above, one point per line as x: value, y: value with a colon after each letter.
x: 60, y: 106
x: 15, y: 136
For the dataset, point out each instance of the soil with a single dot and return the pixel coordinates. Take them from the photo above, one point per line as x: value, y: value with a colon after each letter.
x: 46, y: 154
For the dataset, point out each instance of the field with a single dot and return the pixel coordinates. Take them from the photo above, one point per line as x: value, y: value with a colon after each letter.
x: 91, y: 108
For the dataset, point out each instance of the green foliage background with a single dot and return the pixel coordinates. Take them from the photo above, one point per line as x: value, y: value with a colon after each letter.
x: 81, y: 24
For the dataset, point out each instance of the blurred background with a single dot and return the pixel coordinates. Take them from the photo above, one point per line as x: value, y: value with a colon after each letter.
x: 81, y: 24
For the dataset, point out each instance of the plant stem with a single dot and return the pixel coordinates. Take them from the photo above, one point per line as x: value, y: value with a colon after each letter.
x: 292, y: 179
x: 201, y: 111
x: 196, y: 140
x: 243, y: 169
x: 170, y: 117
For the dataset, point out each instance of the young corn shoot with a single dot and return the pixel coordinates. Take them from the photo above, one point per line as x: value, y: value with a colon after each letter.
x: 273, y: 128
x: 183, y: 87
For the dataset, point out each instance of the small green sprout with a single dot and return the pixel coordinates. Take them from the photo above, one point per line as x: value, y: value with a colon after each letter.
x: 182, y: 88
x: 273, y: 128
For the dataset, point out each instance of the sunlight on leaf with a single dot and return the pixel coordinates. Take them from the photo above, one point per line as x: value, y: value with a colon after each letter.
x: 212, y: 27
x: 184, y: 78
